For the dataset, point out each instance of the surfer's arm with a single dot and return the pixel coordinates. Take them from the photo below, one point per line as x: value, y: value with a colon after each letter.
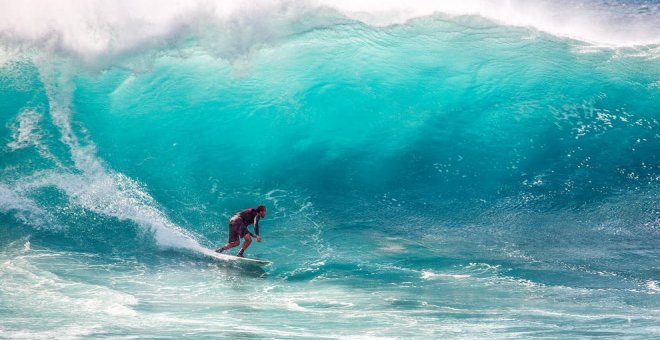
x: 256, y: 225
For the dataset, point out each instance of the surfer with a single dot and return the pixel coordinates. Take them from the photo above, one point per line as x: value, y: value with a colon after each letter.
x: 238, y: 228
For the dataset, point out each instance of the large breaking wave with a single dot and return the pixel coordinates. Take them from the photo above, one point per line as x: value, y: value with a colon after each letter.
x: 517, y: 141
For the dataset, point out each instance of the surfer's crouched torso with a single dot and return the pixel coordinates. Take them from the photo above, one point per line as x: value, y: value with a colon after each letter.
x: 239, y: 222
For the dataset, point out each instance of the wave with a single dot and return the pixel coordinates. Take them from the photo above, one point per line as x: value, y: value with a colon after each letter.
x: 401, y: 149
x: 433, y: 114
x: 106, y: 29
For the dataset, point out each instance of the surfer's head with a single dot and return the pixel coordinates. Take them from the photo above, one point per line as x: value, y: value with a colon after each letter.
x: 261, y: 210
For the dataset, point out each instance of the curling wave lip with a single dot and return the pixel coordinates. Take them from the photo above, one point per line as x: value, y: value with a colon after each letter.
x: 107, y: 28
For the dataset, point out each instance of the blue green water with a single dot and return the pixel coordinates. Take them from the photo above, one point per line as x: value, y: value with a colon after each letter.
x: 445, y: 177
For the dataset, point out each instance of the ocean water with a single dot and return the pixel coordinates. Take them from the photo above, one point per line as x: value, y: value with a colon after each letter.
x: 431, y: 169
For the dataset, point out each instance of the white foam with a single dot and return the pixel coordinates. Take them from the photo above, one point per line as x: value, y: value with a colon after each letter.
x: 23, y: 208
x: 27, y: 132
x: 7, y: 54
x: 107, y: 27
x: 615, y: 25
x: 41, y: 291
x: 24, y: 132
x: 113, y: 194
x: 653, y: 285
x: 392, y: 248
x: 429, y: 275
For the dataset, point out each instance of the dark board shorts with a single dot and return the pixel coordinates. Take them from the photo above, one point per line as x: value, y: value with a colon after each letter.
x: 237, y: 229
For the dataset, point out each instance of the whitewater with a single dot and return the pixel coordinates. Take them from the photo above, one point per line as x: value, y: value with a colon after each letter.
x: 431, y: 169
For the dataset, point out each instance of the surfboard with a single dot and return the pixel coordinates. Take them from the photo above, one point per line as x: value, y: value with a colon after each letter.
x: 241, y: 260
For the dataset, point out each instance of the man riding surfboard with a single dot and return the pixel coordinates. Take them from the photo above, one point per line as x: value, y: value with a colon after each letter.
x: 238, y: 228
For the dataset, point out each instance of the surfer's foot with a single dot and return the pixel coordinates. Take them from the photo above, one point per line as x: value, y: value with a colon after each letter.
x: 240, y: 254
x: 220, y: 250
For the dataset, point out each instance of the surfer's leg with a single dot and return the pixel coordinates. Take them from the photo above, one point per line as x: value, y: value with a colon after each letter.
x: 247, y: 239
x: 228, y: 245
x: 234, y: 238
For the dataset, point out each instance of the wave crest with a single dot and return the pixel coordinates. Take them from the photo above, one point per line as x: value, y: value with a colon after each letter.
x: 109, y: 28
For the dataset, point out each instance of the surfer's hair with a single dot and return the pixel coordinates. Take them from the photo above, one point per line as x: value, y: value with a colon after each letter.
x: 261, y: 208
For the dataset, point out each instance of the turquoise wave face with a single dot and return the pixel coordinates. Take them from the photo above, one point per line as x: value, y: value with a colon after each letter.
x: 433, y: 107
x: 451, y: 155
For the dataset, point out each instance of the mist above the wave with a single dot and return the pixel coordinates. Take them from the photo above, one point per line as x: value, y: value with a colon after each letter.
x: 104, y: 29
x: 597, y: 22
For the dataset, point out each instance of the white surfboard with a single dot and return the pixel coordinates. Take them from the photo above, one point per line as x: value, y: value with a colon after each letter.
x: 242, y: 260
